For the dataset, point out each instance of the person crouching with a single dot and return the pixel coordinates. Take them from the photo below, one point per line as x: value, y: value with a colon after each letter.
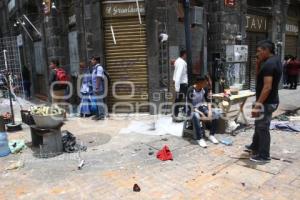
x: 200, y: 110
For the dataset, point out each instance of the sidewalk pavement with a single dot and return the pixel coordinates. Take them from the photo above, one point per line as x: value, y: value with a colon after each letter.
x: 115, y: 162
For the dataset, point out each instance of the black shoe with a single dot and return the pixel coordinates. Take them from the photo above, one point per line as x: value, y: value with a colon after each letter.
x: 249, y: 149
x: 259, y: 159
x: 98, y: 118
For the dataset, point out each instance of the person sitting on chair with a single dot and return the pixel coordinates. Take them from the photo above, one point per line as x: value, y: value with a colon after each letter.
x: 200, y: 110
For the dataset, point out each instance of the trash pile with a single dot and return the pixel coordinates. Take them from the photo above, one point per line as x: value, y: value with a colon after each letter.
x: 288, y: 122
x: 69, y: 143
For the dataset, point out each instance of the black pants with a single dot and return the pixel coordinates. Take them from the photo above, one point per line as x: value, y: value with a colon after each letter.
x: 180, y: 99
x: 261, y: 138
x: 293, y: 81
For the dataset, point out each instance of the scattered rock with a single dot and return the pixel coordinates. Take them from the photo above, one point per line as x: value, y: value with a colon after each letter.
x: 164, y: 139
x: 214, y: 174
x: 15, y: 165
x: 136, y: 188
x: 151, y: 153
x: 243, y: 184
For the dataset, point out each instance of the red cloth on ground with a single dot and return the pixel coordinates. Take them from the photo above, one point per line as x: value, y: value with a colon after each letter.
x: 164, y: 154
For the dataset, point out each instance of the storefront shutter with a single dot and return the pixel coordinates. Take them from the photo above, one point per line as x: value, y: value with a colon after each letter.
x: 126, y: 61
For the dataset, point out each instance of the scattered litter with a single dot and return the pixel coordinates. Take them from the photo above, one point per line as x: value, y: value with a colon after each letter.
x: 164, y: 154
x: 136, y: 188
x: 226, y: 141
x: 282, y: 159
x: 282, y: 118
x: 231, y: 126
x: 69, y: 143
x: 81, y: 164
x: 16, y: 146
x: 294, y: 118
x: 163, y: 126
x: 289, y: 151
x: 15, y: 165
x: 289, y: 127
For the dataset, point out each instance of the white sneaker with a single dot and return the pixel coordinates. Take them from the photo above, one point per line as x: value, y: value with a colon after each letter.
x: 202, y: 143
x: 213, y: 139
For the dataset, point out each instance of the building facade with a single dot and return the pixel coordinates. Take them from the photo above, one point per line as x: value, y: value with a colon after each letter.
x: 126, y: 35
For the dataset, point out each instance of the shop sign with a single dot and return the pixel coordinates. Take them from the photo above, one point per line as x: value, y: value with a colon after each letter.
x: 229, y: 3
x: 292, y: 28
x: 72, y: 20
x: 11, y: 5
x: 121, y: 9
x: 256, y: 23
x: 19, y: 40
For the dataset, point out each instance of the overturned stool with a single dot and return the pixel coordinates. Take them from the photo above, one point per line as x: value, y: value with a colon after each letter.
x: 46, y: 142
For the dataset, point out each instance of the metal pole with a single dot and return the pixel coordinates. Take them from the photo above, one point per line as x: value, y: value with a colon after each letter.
x: 188, y: 38
x: 9, y: 88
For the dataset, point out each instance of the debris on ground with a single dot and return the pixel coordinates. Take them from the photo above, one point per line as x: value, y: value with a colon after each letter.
x: 226, y: 141
x: 150, y: 153
x: 16, y: 165
x: 285, y: 126
x: 69, y: 143
x: 231, y: 126
x: 243, y: 184
x: 164, y: 154
x: 16, y: 146
x: 81, y: 164
x: 136, y: 188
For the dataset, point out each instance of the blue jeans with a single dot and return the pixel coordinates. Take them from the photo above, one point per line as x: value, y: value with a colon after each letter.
x: 197, y: 124
x: 100, y: 104
x: 261, y: 138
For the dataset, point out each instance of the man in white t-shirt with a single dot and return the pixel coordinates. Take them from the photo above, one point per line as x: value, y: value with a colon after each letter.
x: 180, y: 79
x: 98, y: 86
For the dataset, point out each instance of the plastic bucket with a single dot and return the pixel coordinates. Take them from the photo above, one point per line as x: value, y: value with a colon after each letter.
x: 4, y: 148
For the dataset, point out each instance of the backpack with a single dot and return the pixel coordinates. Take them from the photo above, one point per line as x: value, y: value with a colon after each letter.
x: 106, y: 74
x: 61, y: 75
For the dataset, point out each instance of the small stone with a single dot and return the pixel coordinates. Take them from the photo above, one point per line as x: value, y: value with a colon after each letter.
x: 150, y: 153
x: 214, y: 174
x: 136, y: 188
x: 164, y: 139
x: 243, y: 184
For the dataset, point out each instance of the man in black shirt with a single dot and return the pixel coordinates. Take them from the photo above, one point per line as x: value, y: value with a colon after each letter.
x: 269, y: 71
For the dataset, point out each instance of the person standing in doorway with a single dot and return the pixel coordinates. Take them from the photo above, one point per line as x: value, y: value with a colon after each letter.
x: 293, y: 68
x: 26, y: 81
x: 57, y: 81
x: 180, y: 79
x: 267, y: 100
x: 98, y: 87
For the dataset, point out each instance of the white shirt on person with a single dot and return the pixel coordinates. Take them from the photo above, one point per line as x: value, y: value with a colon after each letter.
x: 180, y: 73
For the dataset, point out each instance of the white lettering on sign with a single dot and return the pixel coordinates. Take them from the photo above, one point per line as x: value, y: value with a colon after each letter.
x: 123, y: 11
x: 256, y: 23
x: 291, y: 28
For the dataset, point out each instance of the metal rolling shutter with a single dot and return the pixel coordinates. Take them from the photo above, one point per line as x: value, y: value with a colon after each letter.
x: 291, y: 45
x: 252, y: 40
x: 127, y: 61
